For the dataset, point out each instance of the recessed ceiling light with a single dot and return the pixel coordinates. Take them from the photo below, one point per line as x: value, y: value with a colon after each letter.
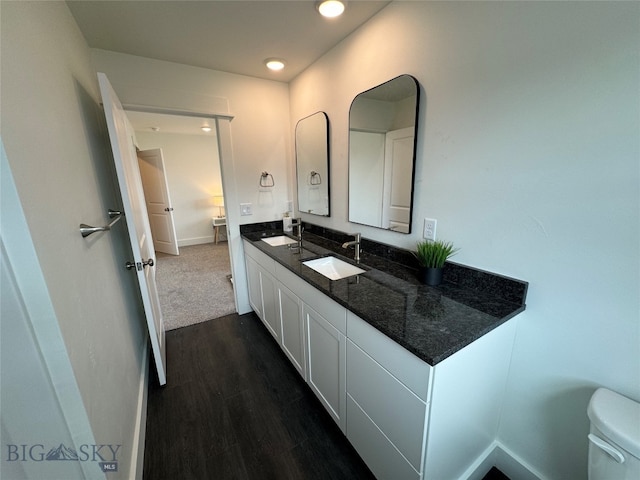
x: 331, y: 8
x: 206, y: 128
x: 274, y: 64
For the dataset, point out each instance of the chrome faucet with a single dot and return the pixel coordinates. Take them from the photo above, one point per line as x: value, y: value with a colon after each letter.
x: 297, y: 223
x: 356, y: 246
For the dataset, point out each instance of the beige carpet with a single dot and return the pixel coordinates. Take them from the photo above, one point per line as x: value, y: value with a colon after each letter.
x: 194, y: 286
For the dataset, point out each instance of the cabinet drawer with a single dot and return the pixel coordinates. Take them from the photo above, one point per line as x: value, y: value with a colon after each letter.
x: 378, y: 453
x: 396, y: 410
x: 401, y: 363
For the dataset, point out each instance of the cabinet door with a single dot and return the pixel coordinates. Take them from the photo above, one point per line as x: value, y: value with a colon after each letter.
x: 253, y: 281
x: 270, y: 315
x: 326, y: 367
x: 292, y: 328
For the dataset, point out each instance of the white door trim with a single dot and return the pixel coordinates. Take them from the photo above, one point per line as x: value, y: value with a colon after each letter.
x: 231, y: 197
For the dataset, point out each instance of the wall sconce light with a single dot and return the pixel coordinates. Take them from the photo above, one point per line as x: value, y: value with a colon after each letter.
x: 218, y: 201
x: 330, y: 8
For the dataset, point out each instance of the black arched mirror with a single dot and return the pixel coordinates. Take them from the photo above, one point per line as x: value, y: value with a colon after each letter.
x: 383, y: 125
x: 312, y: 164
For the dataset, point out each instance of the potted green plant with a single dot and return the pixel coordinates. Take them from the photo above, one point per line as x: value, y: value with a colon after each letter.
x: 431, y: 256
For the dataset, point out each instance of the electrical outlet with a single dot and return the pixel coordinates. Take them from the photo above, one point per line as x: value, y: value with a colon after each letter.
x: 245, y: 209
x: 429, y: 231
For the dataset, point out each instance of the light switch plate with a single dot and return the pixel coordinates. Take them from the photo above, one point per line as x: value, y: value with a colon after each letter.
x: 245, y: 209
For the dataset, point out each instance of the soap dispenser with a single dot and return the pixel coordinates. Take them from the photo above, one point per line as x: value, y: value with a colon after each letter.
x: 286, y: 223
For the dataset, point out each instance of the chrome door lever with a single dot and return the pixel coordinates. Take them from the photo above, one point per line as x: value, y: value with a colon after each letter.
x: 87, y: 230
x: 139, y: 265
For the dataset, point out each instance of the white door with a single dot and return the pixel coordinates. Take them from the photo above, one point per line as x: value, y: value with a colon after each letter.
x: 135, y: 214
x: 396, y: 212
x: 158, y: 201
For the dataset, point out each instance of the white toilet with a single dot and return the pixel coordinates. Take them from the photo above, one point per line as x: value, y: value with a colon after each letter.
x: 614, y: 438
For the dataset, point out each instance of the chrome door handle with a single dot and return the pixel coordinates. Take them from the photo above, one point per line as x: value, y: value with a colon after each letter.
x: 139, y: 265
x: 168, y: 209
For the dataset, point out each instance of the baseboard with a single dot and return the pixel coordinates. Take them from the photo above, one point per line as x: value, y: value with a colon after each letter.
x: 513, y: 466
x: 137, y: 453
x: 499, y: 456
x: 187, y: 242
x: 479, y: 468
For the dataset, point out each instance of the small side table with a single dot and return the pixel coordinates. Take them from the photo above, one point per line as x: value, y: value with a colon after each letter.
x: 217, y: 223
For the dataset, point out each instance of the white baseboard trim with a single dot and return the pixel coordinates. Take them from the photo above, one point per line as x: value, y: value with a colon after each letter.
x: 479, y: 468
x: 513, y: 466
x: 187, y: 242
x: 137, y: 451
x: 497, y: 455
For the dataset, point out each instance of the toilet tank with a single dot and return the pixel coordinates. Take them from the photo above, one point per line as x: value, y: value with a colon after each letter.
x: 614, y: 438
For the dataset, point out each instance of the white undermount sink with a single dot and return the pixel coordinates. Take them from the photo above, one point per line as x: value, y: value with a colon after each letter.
x: 333, y: 268
x: 278, y: 241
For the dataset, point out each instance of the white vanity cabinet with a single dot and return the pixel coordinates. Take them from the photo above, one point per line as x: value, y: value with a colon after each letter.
x: 409, y: 420
x: 387, y: 407
x: 406, y: 418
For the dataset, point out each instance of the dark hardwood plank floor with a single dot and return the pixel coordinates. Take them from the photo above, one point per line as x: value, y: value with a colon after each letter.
x: 235, y: 408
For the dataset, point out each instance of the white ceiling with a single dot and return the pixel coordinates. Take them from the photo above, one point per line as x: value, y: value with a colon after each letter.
x: 231, y: 36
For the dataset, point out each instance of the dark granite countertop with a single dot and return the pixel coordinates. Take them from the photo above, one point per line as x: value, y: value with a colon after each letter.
x: 431, y: 322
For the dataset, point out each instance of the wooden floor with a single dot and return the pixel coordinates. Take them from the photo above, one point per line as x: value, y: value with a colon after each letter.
x: 234, y: 408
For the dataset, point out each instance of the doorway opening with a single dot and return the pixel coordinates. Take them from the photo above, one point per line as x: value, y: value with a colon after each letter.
x: 182, y: 181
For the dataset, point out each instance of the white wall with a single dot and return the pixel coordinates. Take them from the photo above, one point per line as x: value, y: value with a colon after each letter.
x: 192, y: 167
x: 260, y: 127
x: 528, y: 154
x: 64, y: 176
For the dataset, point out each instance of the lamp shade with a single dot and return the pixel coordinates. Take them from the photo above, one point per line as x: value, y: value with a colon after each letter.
x: 218, y: 201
